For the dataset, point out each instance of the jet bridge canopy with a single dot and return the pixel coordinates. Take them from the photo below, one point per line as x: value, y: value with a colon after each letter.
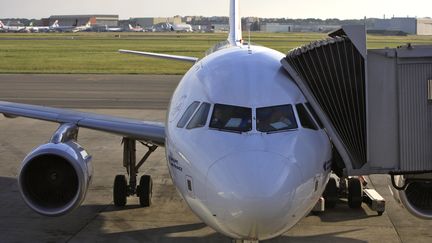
x: 376, y: 105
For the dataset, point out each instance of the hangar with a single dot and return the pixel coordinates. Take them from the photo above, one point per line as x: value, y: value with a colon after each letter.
x: 412, y: 26
x: 77, y: 20
x: 148, y: 22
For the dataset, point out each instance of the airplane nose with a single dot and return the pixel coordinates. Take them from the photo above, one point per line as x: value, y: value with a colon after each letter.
x: 251, y: 193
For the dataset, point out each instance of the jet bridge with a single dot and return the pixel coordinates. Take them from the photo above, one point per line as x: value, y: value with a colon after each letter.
x: 376, y: 105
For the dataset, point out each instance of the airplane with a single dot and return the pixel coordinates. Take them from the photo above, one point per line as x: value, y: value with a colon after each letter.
x: 74, y: 28
x: 180, y: 27
x: 85, y: 27
x: 113, y: 29
x: 137, y: 28
x: 243, y: 147
x: 32, y: 28
x: 64, y: 28
x: 9, y: 28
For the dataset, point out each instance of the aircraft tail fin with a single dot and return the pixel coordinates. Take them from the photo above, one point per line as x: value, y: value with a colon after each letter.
x: 1, y: 24
x: 235, y: 35
x: 130, y: 27
x: 55, y: 24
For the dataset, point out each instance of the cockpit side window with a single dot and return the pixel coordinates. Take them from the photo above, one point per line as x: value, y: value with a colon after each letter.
x: 200, y: 117
x: 276, y: 118
x: 305, y: 119
x: 187, y: 115
x: 315, y: 115
x: 231, y: 118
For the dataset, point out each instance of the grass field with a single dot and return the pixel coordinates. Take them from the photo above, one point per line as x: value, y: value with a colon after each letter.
x: 97, y: 52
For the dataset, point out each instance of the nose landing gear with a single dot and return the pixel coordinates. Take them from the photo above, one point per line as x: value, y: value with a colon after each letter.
x: 245, y: 241
x: 122, y: 189
x: 355, y: 190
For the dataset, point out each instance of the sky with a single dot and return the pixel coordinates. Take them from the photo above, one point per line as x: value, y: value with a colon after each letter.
x: 342, y: 9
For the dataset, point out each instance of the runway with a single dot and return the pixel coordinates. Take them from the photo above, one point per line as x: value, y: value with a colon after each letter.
x: 90, y: 91
x: 168, y: 219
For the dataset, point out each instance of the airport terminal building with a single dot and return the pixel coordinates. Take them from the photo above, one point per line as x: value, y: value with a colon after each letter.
x: 78, y: 20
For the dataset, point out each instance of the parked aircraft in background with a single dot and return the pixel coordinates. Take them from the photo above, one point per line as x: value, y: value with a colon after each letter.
x: 9, y: 28
x: 137, y: 28
x: 113, y: 29
x: 64, y: 28
x: 181, y: 27
x: 86, y: 27
x: 72, y: 28
x: 32, y: 28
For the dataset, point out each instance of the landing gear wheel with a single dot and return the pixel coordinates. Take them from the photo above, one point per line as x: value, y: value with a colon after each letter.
x: 331, y: 193
x: 120, y: 191
x: 144, y: 190
x: 355, y: 193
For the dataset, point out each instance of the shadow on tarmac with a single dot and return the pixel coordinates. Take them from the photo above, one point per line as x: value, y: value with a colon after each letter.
x: 174, y: 234
x: 86, y: 224
x: 343, y: 213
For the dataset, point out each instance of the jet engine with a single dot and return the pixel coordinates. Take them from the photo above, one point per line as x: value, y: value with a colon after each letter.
x: 414, y: 192
x: 54, y: 177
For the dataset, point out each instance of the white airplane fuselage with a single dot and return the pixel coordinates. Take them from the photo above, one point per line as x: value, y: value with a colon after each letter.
x: 250, y: 185
x: 182, y: 27
x: 12, y: 28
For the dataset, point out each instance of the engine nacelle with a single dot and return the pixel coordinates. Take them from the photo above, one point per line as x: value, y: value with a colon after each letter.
x: 415, y: 194
x: 54, y: 178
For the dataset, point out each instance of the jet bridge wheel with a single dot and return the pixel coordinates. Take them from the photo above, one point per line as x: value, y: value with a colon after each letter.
x: 331, y: 193
x: 144, y: 190
x: 355, y: 193
x: 120, y: 191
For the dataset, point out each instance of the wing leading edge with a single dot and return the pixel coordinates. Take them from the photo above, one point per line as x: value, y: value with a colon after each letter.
x: 153, y: 132
x: 162, y: 56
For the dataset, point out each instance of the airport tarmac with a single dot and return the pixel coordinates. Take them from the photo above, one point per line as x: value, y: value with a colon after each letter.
x: 168, y: 219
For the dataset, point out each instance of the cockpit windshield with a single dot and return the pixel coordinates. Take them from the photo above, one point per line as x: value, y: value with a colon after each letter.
x: 231, y: 118
x: 276, y: 118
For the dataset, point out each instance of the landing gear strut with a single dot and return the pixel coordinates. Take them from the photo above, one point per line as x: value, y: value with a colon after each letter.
x: 122, y: 189
x: 354, y: 190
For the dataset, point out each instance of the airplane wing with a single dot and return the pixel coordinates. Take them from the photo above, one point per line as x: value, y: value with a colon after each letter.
x: 153, y: 132
x: 162, y: 56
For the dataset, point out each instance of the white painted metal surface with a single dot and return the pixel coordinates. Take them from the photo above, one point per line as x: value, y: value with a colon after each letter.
x: 235, y: 35
x: 251, y: 185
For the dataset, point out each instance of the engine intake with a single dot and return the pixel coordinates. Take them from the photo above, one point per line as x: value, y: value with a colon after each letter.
x: 54, y: 178
x: 416, y: 195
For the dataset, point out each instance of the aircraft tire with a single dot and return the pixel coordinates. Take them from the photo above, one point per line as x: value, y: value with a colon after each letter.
x: 331, y: 193
x: 120, y: 191
x: 355, y: 193
x: 145, y: 189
